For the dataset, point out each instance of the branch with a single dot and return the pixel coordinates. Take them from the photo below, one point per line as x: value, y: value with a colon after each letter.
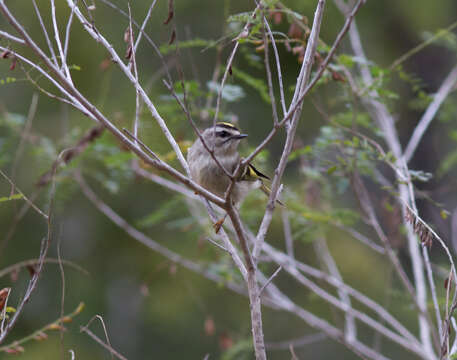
x: 125, y: 69
x: 432, y: 109
x: 147, y: 241
x: 303, y: 79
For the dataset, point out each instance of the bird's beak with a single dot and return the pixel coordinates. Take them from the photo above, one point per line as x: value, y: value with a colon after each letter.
x: 241, y: 136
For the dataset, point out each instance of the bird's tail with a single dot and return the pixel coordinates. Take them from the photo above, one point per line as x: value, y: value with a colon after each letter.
x: 266, y: 190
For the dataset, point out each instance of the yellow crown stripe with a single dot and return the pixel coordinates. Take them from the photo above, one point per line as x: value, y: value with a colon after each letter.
x: 226, y: 124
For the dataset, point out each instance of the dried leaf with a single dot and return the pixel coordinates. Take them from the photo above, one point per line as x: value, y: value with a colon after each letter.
x: 6, y: 54
x: 56, y: 326
x: 105, y: 64
x: 210, y: 327
x: 41, y: 336
x: 173, y: 37
x: 277, y: 17
x: 14, y: 350
x: 336, y: 76
x: 446, y: 283
x: 14, y: 275
x: 173, y: 269
x: 144, y: 290
x: 127, y: 39
x: 225, y: 341
x: 31, y: 270
x: 260, y: 48
x: 128, y: 52
x: 170, y: 12
x: 13, y: 63
x: 3, y: 296
x: 66, y: 319
x: 294, y: 31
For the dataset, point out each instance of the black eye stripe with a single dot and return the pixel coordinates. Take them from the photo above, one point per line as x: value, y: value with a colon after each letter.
x: 222, y: 134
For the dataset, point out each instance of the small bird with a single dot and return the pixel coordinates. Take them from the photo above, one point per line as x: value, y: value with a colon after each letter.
x: 224, y: 139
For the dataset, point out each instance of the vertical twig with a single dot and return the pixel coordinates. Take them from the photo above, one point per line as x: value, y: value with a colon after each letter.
x: 45, y: 32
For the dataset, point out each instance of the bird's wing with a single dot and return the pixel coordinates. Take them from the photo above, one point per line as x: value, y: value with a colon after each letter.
x: 252, y: 171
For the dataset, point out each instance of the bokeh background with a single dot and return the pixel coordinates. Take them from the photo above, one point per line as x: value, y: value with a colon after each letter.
x: 152, y: 308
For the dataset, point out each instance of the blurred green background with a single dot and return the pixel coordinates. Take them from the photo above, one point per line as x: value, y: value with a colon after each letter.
x: 153, y: 309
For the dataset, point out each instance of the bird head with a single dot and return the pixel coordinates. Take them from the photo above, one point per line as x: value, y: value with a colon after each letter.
x: 224, y: 138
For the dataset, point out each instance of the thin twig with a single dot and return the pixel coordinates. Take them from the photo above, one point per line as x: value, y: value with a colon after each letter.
x: 244, y: 33
x: 45, y: 32
x: 143, y: 26
x: 59, y: 42
x: 36, y: 208
x: 41, y: 330
x: 306, y: 71
x: 4, y: 34
x: 270, y: 279
x: 34, y: 262
x: 268, y: 71
x: 278, y: 67
x: 85, y: 328
x: 430, y: 113
x: 67, y: 37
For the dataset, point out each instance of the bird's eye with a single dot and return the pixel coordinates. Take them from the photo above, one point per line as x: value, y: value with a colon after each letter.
x: 223, y: 134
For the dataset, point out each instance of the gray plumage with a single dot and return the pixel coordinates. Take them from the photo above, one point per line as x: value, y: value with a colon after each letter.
x: 224, y: 138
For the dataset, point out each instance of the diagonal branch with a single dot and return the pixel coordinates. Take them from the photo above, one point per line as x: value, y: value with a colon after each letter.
x: 429, y: 115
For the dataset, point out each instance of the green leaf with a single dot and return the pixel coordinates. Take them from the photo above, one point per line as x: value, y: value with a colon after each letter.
x: 7, y: 80
x: 449, y: 162
x: 230, y: 93
x: 444, y: 214
x: 159, y: 215
x: 346, y: 60
x: 332, y: 169
x: 12, y: 197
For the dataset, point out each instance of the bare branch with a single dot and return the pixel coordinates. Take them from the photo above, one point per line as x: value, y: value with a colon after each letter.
x: 323, y: 252
x: 36, y: 208
x: 268, y: 71
x: 278, y: 67
x: 11, y: 37
x: 143, y: 26
x: 148, y: 242
x: 228, y: 68
x: 161, y: 122
x: 45, y: 32
x: 59, y: 43
x: 109, y: 347
x: 67, y: 37
x: 270, y: 279
x: 305, y: 72
x: 432, y: 109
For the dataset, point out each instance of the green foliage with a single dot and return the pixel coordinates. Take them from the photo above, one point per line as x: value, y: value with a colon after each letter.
x: 448, y: 111
x: 8, y: 80
x: 194, y: 43
x: 230, y: 93
x: 257, y: 84
x: 155, y: 217
x: 12, y: 197
x: 242, y: 350
x: 448, y: 163
x: 442, y: 37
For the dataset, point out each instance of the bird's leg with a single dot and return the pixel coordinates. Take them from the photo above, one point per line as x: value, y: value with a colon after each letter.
x: 218, y: 224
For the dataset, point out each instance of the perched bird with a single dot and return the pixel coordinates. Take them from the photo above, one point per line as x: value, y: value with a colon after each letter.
x: 224, y: 139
